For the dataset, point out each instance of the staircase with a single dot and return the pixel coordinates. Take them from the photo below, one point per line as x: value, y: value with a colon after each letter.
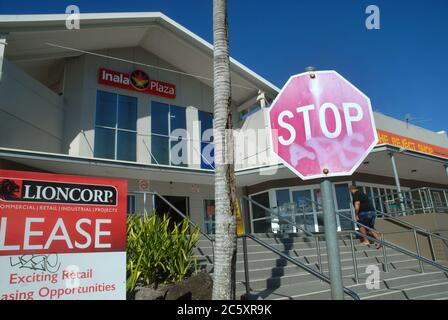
x: 274, y: 278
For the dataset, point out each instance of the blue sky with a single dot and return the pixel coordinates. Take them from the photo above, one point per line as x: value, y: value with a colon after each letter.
x: 402, y: 67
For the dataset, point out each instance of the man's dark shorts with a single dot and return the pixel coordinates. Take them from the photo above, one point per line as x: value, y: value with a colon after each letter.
x: 367, y: 218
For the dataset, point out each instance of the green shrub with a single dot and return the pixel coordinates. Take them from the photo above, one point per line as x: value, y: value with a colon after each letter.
x: 157, y: 253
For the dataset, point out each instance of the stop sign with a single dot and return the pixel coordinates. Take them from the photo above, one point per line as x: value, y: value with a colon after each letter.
x: 321, y: 125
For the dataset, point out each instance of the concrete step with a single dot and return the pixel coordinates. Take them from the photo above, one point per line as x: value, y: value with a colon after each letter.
x: 402, y: 280
x: 310, y: 253
x: 300, y: 248
x: 258, y: 273
x: 302, y: 277
x: 412, y: 291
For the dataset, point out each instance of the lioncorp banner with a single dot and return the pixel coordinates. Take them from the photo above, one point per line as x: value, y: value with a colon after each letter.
x: 62, y: 237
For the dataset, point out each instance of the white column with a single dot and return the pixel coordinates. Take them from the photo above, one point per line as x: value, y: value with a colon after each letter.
x: 3, y: 37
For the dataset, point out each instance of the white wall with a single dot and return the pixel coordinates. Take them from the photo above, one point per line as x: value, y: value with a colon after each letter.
x: 82, y: 84
x: 409, y: 130
x: 31, y: 115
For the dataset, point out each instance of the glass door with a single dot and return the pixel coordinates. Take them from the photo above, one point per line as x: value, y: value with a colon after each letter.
x: 305, y: 214
x: 343, y: 205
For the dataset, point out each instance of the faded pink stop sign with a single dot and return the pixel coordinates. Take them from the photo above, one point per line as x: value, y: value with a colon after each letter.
x: 321, y: 123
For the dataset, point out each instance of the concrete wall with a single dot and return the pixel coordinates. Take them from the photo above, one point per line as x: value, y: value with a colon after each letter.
x: 31, y: 115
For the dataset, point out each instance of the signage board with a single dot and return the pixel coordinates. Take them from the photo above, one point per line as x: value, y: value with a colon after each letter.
x: 62, y: 237
x: 138, y: 81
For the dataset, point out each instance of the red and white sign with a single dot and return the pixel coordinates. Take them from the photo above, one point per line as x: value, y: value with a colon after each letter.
x: 62, y: 237
x: 320, y: 123
x: 137, y: 81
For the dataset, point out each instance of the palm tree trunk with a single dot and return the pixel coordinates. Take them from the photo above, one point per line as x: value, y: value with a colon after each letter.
x: 225, y: 246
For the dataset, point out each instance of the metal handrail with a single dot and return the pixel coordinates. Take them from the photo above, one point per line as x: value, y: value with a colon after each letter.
x: 393, y: 246
x: 272, y: 212
x: 301, y: 265
x: 412, y: 226
x: 189, y: 220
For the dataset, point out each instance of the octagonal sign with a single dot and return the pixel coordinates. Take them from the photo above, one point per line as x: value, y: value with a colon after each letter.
x: 321, y: 125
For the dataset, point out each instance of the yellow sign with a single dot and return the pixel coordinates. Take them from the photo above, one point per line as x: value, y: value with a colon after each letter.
x: 239, y: 220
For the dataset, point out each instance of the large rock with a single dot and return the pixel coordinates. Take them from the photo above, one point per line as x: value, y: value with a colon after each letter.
x: 198, y: 287
x: 144, y: 293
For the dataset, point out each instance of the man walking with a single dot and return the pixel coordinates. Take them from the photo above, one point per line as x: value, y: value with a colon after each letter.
x: 365, y: 215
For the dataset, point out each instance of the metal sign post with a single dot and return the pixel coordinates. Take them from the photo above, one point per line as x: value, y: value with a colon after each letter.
x: 331, y: 239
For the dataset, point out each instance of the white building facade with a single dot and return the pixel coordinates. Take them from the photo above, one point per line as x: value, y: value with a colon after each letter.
x: 130, y: 96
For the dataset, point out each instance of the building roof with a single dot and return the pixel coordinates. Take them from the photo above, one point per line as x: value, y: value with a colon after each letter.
x: 33, y: 37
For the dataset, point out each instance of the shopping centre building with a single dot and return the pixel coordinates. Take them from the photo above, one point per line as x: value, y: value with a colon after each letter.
x: 130, y: 96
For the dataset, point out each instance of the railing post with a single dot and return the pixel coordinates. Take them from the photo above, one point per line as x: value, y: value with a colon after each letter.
x: 431, y: 246
x: 246, y: 268
x: 417, y: 247
x: 355, y: 262
x: 385, y: 263
x: 319, y: 257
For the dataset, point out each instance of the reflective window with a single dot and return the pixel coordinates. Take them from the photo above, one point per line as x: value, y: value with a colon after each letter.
x: 115, y: 127
x: 160, y: 150
x: 209, y: 216
x: 342, y: 196
x: 106, y: 109
x: 282, y: 197
x: 104, y: 143
x: 131, y: 204
x: 126, y: 145
x: 207, y: 147
x: 127, y: 113
x: 264, y: 223
x: 159, y: 118
x: 168, y: 134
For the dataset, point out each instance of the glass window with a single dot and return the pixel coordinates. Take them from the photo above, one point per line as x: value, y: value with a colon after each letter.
x: 160, y: 150
x: 377, y: 201
x: 178, y: 154
x: 206, y: 123
x: 207, y: 147
x: 208, y: 155
x: 282, y: 197
x: 261, y: 226
x: 104, y: 143
x: 159, y: 118
x: 126, y: 149
x: 115, y: 127
x: 342, y: 196
x: 178, y: 119
x: 131, y: 204
x: 209, y: 216
x: 106, y: 105
x: 303, y: 200
x: 127, y: 113
x: 168, y: 121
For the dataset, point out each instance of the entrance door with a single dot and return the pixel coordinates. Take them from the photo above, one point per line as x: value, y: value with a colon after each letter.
x: 305, y: 214
x: 180, y: 203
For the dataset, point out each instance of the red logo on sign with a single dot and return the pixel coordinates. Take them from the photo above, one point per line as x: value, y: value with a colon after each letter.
x: 10, y: 189
x: 138, y: 81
